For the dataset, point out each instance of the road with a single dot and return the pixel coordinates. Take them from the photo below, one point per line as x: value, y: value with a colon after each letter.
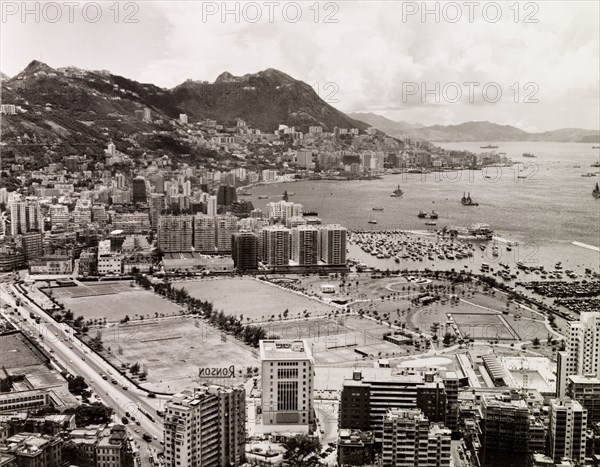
x: 78, y: 359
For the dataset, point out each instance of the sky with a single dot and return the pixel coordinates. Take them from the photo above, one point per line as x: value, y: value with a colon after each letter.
x: 534, y: 65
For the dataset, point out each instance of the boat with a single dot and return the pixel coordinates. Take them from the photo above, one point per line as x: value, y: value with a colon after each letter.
x: 377, y: 209
x: 468, y: 201
x: 595, y: 147
x: 577, y: 167
x: 244, y: 193
x: 398, y: 192
x: 428, y: 215
x: 263, y: 197
x: 595, y: 164
x: 495, y: 250
x: 489, y: 146
x: 372, y: 221
x: 430, y: 223
x: 528, y: 154
x: 589, y: 174
x: 596, y: 191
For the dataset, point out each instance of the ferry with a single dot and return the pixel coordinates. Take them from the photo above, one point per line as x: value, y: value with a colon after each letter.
x: 397, y: 193
x: 596, y: 191
x: 377, y: 209
x: 528, y: 154
x: 589, y: 174
x: 372, y: 221
x: 489, y: 146
x: 428, y: 215
x: 468, y: 201
x: 263, y: 197
x: 430, y: 223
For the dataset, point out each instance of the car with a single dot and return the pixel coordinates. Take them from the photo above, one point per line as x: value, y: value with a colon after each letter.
x: 136, y: 430
x: 83, y: 358
x: 70, y: 361
x: 147, y: 437
x: 151, y: 395
x: 155, y: 437
x: 70, y: 346
x: 127, y: 414
x: 124, y: 420
x: 137, y: 423
x: 125, y: 388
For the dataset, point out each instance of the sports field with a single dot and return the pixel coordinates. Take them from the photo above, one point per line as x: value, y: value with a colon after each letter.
x: 172, y: 350
x: 483, y: 326
x: 113, y: 302
x: 252, y: 298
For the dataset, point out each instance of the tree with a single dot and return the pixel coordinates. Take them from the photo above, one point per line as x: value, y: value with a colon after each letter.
x: 447, y: 339
x: 135, y: 368
x: 77, y: 385
x: 95, y: 413
x: 536, y: 342
x: 301, y: 450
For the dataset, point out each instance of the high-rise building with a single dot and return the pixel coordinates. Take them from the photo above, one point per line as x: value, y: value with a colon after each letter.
x: 333, y: 244
x: 283, y: 210
x: 156, y: 203
x: 567, y: 431
x: 582, y: 354
x: 211, y: 206
x: 175, y: 233
x: 244, y: 246
x: 304, y: 158
x: 409, y: 441
x: 225, y: 227
x: 204, y: 233
x: 59, y: 214
x: 206, y: 428
x: 32, y: 245
x: 25, y: 216
x: 586, y: 390
x: 226, y: 195
x: 305, y: 245
x: 275, y: 245
x: 111, y: 148
x: 424, y: 391
x: 139, y: 190
x: 287, y: 384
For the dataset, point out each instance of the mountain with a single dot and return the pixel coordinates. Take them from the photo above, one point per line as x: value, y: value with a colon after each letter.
x: 384, y: 124
x: 74, y: 111
x: 264, y: 100
x: 475, y: 131
x: 3, y: 76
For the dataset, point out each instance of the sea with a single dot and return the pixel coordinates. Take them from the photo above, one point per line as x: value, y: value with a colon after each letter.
x: 543, y: 203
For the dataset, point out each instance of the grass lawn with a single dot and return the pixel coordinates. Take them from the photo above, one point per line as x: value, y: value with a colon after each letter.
x: 253, y: 299
x: 115, y: 306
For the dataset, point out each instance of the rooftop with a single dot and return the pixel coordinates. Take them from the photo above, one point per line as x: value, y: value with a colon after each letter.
x: 284, y: 349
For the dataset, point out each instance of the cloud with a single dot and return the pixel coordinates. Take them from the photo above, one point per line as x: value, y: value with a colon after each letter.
x: 368, y: 54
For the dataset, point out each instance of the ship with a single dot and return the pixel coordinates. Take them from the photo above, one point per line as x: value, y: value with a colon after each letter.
x: 398, y: 192
x: 468, y: 201
x: 372, y: 221
x: 428, y: 215
x: 244, y: 193
x: 528, y: 154
x: 430, y: 223
x: 476, y: 231
x: 489, y: 146
x: 596, y: 191
x: 589, y: 174
x: 595, y: 164
x: 263, y: 197
x: 377, y: 209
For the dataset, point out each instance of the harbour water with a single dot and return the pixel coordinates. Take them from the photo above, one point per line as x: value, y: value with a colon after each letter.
x: 543, y: 203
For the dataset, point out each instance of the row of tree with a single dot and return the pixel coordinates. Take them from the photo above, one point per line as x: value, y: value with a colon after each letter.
x: 250, y: 334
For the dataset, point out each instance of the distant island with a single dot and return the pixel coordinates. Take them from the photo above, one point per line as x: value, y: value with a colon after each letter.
x: 474, y: 131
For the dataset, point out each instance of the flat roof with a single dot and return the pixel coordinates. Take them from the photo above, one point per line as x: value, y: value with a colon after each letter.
x: 285, y: 349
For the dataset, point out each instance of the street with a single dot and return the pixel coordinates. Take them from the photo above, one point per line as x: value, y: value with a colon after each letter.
x: 78, y: 359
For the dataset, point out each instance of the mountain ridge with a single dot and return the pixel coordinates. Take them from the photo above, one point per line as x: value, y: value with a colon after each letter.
x: 481, y: 131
